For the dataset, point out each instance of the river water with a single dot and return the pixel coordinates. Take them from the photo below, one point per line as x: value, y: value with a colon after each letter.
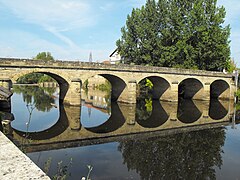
x: 105, y: 140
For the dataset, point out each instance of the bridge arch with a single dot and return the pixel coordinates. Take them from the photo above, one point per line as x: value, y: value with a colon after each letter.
x: 118, y: 85
x: 190, y: 88
x: 160, y: 86
x: 219, y: 89
x: 62, y: 82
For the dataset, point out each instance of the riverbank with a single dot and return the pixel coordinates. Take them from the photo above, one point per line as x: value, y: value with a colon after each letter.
x: 15, y: 164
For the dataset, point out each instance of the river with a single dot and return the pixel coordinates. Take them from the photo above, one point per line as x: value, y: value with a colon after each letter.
x: 107, y: 140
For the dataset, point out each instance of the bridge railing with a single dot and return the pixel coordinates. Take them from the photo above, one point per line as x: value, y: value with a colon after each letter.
x: 60, y: 64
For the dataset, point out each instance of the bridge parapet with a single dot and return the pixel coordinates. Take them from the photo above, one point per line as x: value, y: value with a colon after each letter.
x: 169, y: 83
x: 58, y: 64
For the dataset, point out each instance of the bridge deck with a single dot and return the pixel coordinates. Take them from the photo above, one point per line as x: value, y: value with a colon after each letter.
x: 57, y: 64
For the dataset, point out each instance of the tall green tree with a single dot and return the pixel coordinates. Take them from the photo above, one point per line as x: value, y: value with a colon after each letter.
x: 35, y: 78
x: 176, y: 33
x: 189, y: 155
x: 44, y: 56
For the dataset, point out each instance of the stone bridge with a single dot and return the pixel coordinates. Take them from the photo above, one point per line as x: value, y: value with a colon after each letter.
x: 166, y: 118
x: 168, y: 82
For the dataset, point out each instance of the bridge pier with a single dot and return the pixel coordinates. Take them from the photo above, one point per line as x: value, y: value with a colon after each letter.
x: 129, y: 94
x: 129, y: 112
x: 171, y: 94
x: 206, y: 92
x: 7, y: 128
x: 73, y: 95
x: 5, y: 87
x: 73, y: 114
x: 6, y: 83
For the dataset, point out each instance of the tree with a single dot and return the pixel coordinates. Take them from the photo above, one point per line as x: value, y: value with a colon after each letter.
x: 44, y: 56
x: 35, y: 78
x: 179, y: 156
x: 176, y: 33
x: 231, y: 65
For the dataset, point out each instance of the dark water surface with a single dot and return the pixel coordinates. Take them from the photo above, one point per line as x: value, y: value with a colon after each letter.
x: 149, y: 140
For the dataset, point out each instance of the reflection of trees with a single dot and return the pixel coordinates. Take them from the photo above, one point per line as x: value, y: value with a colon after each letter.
x: 144, y: 108
x: 145, y: 88
x: 40, y: 97
x: 108, y: 100
x: 182, y: 156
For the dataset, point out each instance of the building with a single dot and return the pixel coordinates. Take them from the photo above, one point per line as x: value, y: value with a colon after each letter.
x: 115, y: 57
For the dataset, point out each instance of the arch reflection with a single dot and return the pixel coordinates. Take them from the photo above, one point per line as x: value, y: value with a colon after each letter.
x: 150, y: 113
x: 115, y: 121
x: 187, y: 111
x: 217, y: 109
x: 57, y: 129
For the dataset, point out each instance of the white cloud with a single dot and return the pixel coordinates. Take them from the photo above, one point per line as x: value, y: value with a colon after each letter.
x: 55, y: 16
x: 108, y: 6
x: 27, y: 45
x: 57, y: 13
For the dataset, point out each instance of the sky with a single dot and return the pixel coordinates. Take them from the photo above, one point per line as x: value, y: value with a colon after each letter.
x: 71, y: 29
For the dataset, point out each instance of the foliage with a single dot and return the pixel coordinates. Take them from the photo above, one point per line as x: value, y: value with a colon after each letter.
x: 40, y: 97
x: 230, y: 65
x: 145, y: 88
x: 174, y: 33
x: 46, y: 56
x: 105, y: 87
x: 34, y: 78
x: 238, y: 107
x: 238, y: 93
x: 238, y: 103
x: 31, y: 78
x: 143, y: 109
x: 85, y: 84
x: 149, y: 84
x: 46, y: 78
x: 62, y: 170
x: 180, y: 156
x: 148, y: 104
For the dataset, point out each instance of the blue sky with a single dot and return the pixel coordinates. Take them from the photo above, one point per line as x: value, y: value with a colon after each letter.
x: 71, y: 29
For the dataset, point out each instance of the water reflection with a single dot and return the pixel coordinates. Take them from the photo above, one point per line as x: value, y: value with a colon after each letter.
x: 189, y: 155
x: 147, y: 140
x: 42, y: 98
x: 187, y: 111
x: 33, y: 108
x: 93, y: 120
x: 61, y: 125
x: 115, y: 121
x: 217, y: 109
x: 96, y: 107
x: 150, y: 113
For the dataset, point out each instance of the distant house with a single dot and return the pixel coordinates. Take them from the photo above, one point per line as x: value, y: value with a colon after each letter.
x: 106, y: 62
x: 115, y: 57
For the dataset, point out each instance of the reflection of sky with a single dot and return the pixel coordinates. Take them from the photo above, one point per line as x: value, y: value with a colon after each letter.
x: 91, y: 117
x: 105, y: 159
x: 231, y: 155
x: 39, y: 121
